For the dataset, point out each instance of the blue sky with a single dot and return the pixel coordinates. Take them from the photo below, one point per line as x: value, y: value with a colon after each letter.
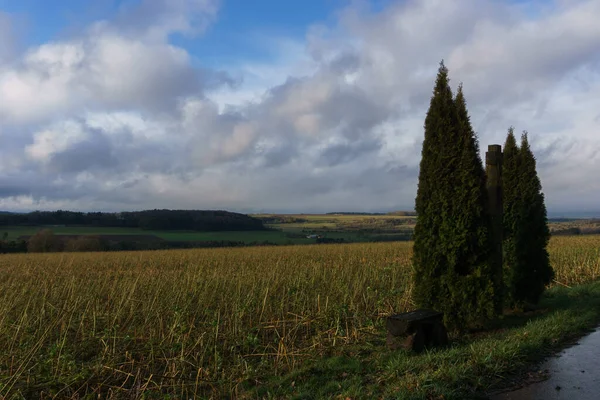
x: 231, y: 38
x: 239, y: 22
x: 49, y: 19
x: 235, y: 36
x: 260, y: 112
x: 46, y: 20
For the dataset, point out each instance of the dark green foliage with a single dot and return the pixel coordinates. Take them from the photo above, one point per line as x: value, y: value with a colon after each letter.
x: 511, y: 201
x: 473, y: 204
x: 535, y: 234
x: 45, y: 241
x: 433, y: 196
x: 87, y: 243
x: 195, y: 220
x: 13, y: 246
x: 527, y: 264
x: 452, y: 235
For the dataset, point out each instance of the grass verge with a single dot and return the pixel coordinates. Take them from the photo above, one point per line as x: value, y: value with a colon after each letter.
x: 470, y: 368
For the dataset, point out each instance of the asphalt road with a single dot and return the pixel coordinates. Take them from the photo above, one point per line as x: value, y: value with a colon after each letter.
x: 574, y: 375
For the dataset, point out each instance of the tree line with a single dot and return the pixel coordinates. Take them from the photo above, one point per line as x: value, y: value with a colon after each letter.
x: 454, y: 252
x: 195, y: 220
x: 46, y: 241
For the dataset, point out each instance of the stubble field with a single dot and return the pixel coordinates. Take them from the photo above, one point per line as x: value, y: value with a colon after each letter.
x: 213, y: 322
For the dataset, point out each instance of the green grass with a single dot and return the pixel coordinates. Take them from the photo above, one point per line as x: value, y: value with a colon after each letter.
x: 15, y: 231
x: 276, y: 237
x: 279, y: 235
x: 351, y: 228
x: 243, y: 236
x: 471, y: 367
x: 317, y: 221
x: 389, y: 224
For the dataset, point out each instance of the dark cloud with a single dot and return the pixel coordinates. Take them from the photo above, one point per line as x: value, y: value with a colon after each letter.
x: 345, y: 63
x: 348, y: 152
x: 279, y: 155
x: 95, y: 153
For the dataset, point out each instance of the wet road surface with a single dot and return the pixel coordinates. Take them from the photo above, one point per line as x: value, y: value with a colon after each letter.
x: 574, y: 375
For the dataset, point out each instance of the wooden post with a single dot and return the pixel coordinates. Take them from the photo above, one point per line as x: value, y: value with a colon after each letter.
x: 493, y: 169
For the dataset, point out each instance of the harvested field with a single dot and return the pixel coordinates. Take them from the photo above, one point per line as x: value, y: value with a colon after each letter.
x: 211, y: 322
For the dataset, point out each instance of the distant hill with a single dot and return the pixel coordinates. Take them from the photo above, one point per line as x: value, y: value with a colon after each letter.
x: 194, y: 220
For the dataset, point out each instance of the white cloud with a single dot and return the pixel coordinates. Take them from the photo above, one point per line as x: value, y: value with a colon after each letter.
x: 54, y: 140
x: 109, y: 69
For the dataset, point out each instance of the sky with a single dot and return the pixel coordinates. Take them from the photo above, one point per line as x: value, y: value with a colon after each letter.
x: 283, y: 106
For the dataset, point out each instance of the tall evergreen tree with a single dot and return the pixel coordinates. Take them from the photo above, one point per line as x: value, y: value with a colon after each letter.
x: 476, y: 286
x: 512, y: 204
x: 432, y: 203
x: 530, y: 282
x: 452, y: 236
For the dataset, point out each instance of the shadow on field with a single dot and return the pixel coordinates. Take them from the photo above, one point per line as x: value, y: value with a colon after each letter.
x: 557, y: 299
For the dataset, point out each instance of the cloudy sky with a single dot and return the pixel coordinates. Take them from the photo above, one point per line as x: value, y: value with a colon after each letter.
x: 284, y: 106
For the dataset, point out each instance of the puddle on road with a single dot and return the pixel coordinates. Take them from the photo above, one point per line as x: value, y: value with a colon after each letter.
x: 574, y: 375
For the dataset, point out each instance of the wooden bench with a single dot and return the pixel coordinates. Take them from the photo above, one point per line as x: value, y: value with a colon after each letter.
x: 416, y: 330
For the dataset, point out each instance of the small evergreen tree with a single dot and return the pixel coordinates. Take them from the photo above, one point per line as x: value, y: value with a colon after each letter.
x: 527, y: 263
x: 452, y: 236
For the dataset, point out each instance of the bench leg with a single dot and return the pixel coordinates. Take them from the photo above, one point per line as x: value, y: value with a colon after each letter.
x: 416, y: 341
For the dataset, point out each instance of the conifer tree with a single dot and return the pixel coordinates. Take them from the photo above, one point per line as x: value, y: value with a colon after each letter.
x: 530, y: 282
x: 432, y: 203
x: 527, y: 264
x: 476, y: 287
x: 511, y: 197
x: 452, y: 244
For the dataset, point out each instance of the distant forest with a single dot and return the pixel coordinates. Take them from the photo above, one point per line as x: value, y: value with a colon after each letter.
x: 194, y: 220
